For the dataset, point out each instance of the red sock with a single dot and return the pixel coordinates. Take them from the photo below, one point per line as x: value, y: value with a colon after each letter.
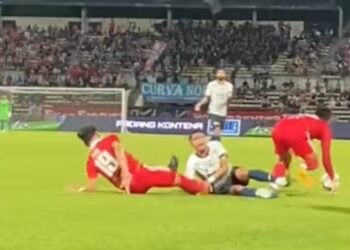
x: 279, y: 170
x: 311, y: 163
x: 191, y: 186
x: 160, y: 178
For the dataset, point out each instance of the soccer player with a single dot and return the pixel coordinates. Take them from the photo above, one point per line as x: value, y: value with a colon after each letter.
x: 210, y: 163
x: 295, y: 134
x: 108, y: 158
x: 5, y: 113
x: 218, y: 94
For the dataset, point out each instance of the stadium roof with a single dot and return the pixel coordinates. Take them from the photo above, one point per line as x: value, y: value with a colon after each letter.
x: 242, y: 4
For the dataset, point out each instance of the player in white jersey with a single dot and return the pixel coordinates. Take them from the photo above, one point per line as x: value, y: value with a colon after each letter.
x: 210, y: 163
x: 218, y: 94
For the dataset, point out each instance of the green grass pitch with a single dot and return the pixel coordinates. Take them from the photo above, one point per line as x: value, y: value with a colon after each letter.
x: 36, y: 213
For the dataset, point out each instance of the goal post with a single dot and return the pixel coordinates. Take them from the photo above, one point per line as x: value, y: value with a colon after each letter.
x: 48, y: 108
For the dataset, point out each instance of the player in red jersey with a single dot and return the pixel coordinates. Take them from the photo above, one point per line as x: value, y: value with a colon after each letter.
x: 295, y: 134
x: 108, y: 158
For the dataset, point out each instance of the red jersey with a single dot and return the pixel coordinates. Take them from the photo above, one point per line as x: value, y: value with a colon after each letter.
x: 102, y: 160
x: 299, y: 126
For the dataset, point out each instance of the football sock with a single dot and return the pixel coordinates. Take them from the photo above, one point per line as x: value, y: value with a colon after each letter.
x: 162, y: 178
x: 259, y: 175
x: 311, y: 163
x: 191, y: 186
x: 279, y: 170
x: 247, y: 192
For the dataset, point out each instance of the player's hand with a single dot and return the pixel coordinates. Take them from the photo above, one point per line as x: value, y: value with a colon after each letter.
x: 74, y: 188
x: 208, y: 188
x: 334, y: 187
x: 126, y: 182
x: 197, y: 108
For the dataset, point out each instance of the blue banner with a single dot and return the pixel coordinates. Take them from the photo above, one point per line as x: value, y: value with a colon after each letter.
x: 172, y: 93
x: 232, y: 127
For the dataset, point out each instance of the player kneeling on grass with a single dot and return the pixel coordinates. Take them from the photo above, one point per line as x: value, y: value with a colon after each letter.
x: 295, y: 134
x: 210, y: 162
x: 108, y: 158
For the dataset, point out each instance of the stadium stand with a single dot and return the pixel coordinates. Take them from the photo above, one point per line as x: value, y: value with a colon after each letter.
x: 33, y: 56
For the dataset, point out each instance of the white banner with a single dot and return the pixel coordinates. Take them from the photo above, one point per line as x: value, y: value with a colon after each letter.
x: 156, y: 52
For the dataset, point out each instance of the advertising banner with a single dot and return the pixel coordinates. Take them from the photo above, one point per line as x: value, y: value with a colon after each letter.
x: 162, y: 126
x: 172, y: 93
x: 231, y: 127
x: 166, y: 126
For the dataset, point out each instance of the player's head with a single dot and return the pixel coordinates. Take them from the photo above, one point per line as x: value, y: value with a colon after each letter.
x: 220, y: 74
x: 324, y: 113
x: 87, y: 134
x: 198, y: 140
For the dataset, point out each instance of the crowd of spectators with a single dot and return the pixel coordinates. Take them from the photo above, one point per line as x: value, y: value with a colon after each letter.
x: 342, y: 58
x: 292, y: 97
x: 118, y: 57
x: 64, y: 57
x: 212, y: 43
x: 305, y: 50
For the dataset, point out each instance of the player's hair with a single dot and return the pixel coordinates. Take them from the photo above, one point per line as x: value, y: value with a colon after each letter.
x: 86, y: 133
x: 324, y: 113
x: 195, y: 132
x: 219, y: 69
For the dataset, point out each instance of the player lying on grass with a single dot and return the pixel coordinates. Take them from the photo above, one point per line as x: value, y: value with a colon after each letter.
x: 210, y: 163
x: 295, y: 134
x: 108, y: 158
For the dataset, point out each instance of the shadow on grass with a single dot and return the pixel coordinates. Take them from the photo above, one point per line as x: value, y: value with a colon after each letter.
x: 341, y: 210
x: 151, y: 193
x: 294, y: 193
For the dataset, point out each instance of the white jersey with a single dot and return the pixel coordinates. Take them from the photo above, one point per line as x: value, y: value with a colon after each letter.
x: 219, y: 95
x: 206, y: 166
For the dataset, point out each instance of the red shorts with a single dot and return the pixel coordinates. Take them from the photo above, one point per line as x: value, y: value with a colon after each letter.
x: 146, y: 178
x: 300, y: 143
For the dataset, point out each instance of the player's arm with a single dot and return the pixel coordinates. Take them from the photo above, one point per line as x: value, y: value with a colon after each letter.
x: 222, y: 170
x: 92, y: 176
x: 123, y: 164
x: 90, y: 186
x: 224, y: 163
x: 205, y: 99
x: 230, y: 98
x: 326, y: 152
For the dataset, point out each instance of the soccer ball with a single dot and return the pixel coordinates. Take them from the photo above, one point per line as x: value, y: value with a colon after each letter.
x: 327, y: 183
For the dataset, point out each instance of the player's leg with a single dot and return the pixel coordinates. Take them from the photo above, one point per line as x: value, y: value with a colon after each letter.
x: 310, y: 162
x: 244, y: 175
x: 263, y: 193
x: 281, y: 144
x: 281, y: 169
x: 217, y: 122
x: 304, y: 149
x: 163, y: 178
x: 6, y: 124
x: 240, y: 179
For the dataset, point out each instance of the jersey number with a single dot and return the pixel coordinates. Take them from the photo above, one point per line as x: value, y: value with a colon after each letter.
x: 106, y: 163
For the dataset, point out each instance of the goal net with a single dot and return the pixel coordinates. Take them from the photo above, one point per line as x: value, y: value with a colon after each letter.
x: 66, y: 109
